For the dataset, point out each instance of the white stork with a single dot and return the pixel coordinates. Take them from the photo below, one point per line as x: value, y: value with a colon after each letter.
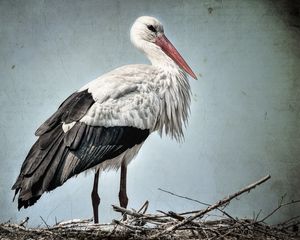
x: 104, y: 124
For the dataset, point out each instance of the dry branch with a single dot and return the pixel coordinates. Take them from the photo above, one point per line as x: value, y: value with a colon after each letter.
x: 214, y: 206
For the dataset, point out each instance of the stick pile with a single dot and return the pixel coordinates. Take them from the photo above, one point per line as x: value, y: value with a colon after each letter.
x: 165, y: 225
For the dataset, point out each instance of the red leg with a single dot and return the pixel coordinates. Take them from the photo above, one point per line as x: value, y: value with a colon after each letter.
x: 95, y: 198
x: 122, y: 194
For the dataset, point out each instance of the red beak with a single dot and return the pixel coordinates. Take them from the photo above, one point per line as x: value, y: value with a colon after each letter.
x: 171, y: 51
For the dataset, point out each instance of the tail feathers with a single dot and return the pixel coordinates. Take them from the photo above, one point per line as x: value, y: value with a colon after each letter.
x: 39, y: 168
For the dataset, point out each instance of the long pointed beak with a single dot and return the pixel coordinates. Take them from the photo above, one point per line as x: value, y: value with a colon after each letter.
x: 172, y: 52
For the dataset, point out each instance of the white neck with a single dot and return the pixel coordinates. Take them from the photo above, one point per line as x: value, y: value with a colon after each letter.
x: 173, y: 88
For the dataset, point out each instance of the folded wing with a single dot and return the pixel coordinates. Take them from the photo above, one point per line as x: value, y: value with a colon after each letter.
x: 58, y: 155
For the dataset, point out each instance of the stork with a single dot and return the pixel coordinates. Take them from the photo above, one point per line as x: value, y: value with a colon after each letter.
x: 103, y: 125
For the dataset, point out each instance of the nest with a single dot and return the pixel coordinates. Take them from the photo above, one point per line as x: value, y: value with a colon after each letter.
x: 137, y: 224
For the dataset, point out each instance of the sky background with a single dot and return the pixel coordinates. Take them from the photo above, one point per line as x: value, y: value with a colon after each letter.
x: 245, y: 113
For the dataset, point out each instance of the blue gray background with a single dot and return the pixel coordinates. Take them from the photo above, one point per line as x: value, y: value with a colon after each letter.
x: 245, y: 112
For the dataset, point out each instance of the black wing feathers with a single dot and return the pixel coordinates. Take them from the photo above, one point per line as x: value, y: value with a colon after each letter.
x: 72, y: 109
x: 74, y: 136
x: 56, y: 156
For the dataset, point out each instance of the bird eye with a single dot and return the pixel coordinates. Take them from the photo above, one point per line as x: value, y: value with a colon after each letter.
x: 151, y: 28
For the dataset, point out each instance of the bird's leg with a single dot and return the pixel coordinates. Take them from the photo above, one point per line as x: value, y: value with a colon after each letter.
x: 122, y: 193
x: 95, y: 197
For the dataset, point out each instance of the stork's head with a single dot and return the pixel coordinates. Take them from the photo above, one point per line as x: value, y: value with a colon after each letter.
x: 147, y: 34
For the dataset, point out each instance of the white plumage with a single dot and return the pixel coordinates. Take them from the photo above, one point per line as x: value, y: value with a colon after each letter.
x: 105, y: 123
x: 141, y: 96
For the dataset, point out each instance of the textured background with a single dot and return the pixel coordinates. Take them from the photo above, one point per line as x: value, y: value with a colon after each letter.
x: 245, y: 116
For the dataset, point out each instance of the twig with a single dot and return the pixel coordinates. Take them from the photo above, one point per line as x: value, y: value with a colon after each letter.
x: 172, y: 215
x: 280, y: 225
x: 184, y: 197
x: 194, y: 200
x: 45, y: 223
x: 24, y: 222
x: 130, y: 227
x: 127, y: 211
x: 75, y: 221
x: 144, y: 207
x: 256, y: 217
x: 278, y: 207
x: 212, y: 207
x: 140, y: 216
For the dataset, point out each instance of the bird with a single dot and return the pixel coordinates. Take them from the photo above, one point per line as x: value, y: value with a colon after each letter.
x: 103, y: 125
